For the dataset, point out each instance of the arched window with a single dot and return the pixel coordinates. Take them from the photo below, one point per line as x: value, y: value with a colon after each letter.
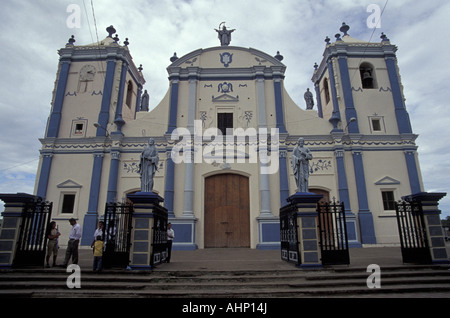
x: 367, y: 72
x: 326, y: 90
x: 129, y: 94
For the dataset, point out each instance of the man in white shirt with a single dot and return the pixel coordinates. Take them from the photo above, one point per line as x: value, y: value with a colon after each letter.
x: 170, y: 236
x: 72, y: 245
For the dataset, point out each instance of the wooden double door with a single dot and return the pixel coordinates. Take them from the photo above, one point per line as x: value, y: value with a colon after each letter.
x: 227, y: 211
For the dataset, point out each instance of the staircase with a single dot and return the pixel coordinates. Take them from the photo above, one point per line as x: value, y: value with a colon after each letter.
x: 396, y: 281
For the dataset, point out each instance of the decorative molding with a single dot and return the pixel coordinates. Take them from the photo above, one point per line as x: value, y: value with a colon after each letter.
x: 68, y: 184
x: 387, y: 181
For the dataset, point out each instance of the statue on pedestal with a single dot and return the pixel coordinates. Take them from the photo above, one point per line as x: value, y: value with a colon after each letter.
x: 224, y: 35
x: 148, y: 165
x: 309, y: 99
x: 300, y: 165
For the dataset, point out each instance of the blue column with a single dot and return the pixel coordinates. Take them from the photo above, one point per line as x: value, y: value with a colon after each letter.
x: 279, y: 105
x: 364, y: 215
x: 173, y: 107
x: 350, y: 110
x: 169, y: 185
x: 412, y: 171
x: 336, y: 115
x: 103, y: 117
x: 138, y: 100
x: 55, y: 116
x: 319, y: 100
x: 403, y: 122
x: 118, y: 120
x: 90, y: 218
x: 284, y: 182
x: 113, y: 175
x: 352, y: 232
x: 44, y: 175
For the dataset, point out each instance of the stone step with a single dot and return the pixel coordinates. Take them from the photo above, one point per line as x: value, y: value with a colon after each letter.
x: 296, y: 283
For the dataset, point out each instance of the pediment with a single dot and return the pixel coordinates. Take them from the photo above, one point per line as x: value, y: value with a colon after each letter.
x: 387, y: 181
x: 225, y: 98
x: 69, y: 184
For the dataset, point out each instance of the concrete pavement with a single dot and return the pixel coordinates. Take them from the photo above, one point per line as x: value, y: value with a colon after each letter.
x: 236, y: 259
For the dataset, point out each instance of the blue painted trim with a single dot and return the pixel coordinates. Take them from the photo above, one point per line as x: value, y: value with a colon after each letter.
x: 342, y: 180
x: 138, y: 100
x: 284, y: 181
x: 365, y: 217
x: 44, y: 176
x: 402, y: 116
x: 118, y: 120
x: 350, y: 110
x: 336, y: 115
x: 279, y: 106
x: 169, y: 186
x: 95, y: 184
x: 319, y: 100
x: 112, y: 182
x: 90, y: 219
x: 103, y: 116
x: 413, y: 173
x: 173, y: 108
x: 55, y: 117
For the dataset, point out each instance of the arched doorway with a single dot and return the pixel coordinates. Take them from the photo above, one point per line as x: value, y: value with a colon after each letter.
x: 227, y: 211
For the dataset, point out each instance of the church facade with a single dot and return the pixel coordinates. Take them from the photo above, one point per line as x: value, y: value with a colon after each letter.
x: 225, y: 132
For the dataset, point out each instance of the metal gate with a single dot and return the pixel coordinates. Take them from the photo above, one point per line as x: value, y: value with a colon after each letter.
x: 288, y: 235
x: 333, y: 238
x: 117, y: 234
x: 413, y: 236
x: 159, y: 240
x: 32, y: 242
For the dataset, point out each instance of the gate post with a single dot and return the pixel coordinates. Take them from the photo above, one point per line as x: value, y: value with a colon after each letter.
x: 146, y: 205
x: 433, y: 227
x: 12, y: 220
x: 308, y: 236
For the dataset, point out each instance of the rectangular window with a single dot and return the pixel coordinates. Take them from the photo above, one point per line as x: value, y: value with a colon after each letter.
x: 68, y: 203
x: 376, y: 124
x: 224, y: 121
x: 388, y: 200
x: 79, y: 129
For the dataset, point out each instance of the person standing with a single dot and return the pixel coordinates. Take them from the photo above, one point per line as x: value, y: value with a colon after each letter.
x: 98, y: 254
x: 170, y: 236
x: 74, y: 241
x: 52, y: 244
x: 98, y: 231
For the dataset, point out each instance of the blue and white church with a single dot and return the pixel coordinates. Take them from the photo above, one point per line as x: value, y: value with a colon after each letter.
x: 226, y: 190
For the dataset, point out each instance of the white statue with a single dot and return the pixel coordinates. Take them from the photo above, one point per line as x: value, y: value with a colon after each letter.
x: 148, y: 165
x: 300, y: 165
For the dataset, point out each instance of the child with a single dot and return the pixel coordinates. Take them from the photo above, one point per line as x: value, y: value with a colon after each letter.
x: 98, y: 254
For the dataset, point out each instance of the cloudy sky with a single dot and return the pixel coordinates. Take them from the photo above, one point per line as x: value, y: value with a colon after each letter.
x: 32, y: 31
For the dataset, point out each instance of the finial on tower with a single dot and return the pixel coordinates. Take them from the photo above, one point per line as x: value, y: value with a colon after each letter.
x: 344, y: 28
x: 110, y: 31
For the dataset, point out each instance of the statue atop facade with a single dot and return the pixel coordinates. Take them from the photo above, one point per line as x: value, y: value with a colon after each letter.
x: 309, y: 98
x: 148, y: 165
x: 224, y: 35
x: 300, y: 165
x: 144, y: 102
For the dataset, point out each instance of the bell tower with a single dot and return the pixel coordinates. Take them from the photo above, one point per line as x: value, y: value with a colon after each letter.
x: 358, y: 86
x: 97, y: 91
x: 359, y: 92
